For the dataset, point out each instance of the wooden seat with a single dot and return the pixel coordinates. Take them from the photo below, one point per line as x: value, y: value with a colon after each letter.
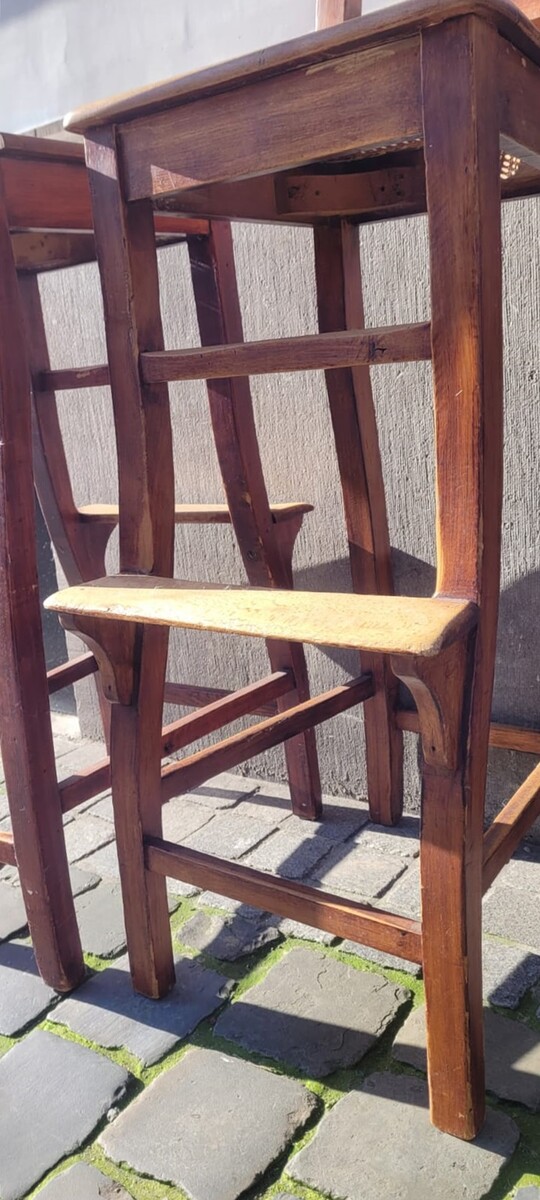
x: 195, y: 514
x: 319, y: 126
x: 380, y: 624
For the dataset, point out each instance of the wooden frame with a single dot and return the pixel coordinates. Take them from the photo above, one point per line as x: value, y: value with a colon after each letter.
x: 454, y: 67
x: 45, y: 183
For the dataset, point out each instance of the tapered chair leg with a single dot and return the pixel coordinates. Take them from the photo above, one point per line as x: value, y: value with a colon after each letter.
x: 25, y: 729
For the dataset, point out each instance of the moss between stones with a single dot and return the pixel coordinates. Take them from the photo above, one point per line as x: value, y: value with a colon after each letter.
x: 523, y: 1169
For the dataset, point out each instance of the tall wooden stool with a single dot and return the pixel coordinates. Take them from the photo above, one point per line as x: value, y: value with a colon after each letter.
x: 46, y: 223
x: 404, y: 110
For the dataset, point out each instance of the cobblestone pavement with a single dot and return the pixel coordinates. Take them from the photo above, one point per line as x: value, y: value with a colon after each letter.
x: 285, y: 1064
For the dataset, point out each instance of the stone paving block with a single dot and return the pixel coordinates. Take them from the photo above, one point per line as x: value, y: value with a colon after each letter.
x: 81, y: 881
x: 508, y: 972
x: 23, y: 994
x: 12, y: 911
x: 211, y: 1125
x: 378, y: 1143
x: 513, y: 913
x: 528, y: 1193
x: 101, y: 919
x: 227, y: 938
x: 85, y: 834
x: 402, y: 840
x: 79, y: 755
x: 404, y: 897
x: 341, y: 819
x: 181, y: 818
x: 522, y: 872
x: 228, y: 835
x: 225, y: 790
x: 381, y: 958
x: 512, y: 1055
x: 58, y: 1091
x: 214, y: 900
x: 102, y: 808
x: 272, y: 803
x: 291, y: 855
x: 105, y: 862
x: 107, y: 1010
x: 313, y: 1012
x: 83, y: 1182
x: 349, y: 870
x: 296, y: 929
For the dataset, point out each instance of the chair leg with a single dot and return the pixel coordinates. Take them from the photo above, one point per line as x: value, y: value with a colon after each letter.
x: 340, y: 306
x: 266, y: 552
x: 25, y: 729
x: 136, y: 793
x: 451, y: 889
x: 451, y: 882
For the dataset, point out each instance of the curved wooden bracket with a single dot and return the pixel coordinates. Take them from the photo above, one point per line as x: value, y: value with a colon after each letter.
x: 438, y: 688
x: 113, y: 644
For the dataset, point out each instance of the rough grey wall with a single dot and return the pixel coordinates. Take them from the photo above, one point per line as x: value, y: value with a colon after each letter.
x: 60, y: 53
x: 276, y: 277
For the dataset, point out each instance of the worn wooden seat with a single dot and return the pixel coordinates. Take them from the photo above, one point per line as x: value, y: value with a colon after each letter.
x: 194, y: 514
x: 421, y: 107
x: 381, y: 624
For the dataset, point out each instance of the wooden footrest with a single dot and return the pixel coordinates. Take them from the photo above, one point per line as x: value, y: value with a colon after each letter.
x: 195, y: 514
x: 381, y: 624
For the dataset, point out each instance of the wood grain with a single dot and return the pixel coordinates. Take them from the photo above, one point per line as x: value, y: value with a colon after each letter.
x: 344, y: 918
x: 7, y: 849
x: 266, y: 551
x: 191, y: 772
x: 383, y: 624
x: 125, y: 244
x: 340, y: 305
x: 510, y: 826
x: 463, y: 191
x: 314, y: 352
x: 71, y: 672
x: 196, y: 514
x: 277, y: 123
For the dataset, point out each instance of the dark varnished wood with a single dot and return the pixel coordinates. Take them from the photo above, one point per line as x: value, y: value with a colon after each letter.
x: 266, y: 555
x: 25, y: 730
x: 344, y: 918
x: 234, y: 750
x: 340, y: 305
x: 510, y: 826
x: 461, y: 130
x: 323, y: 352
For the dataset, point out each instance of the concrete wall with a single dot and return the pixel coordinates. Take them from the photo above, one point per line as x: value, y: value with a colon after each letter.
x: 275, y: 269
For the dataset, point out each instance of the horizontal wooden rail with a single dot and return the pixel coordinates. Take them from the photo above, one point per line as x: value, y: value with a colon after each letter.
x: 70, y: 672
x: 193, y: 695
x: 315, y: 352
x: 344, y: 918
x: 223, y: 711
x: 7, y: 850
x: 71, y: 377
x: 198, y: 768
x: 510, y: 826
x: 92, y: 780
x: 505, y: 737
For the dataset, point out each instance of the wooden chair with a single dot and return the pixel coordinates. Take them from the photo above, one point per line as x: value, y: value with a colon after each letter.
x: 405, y: 110
x: 46, y: 223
